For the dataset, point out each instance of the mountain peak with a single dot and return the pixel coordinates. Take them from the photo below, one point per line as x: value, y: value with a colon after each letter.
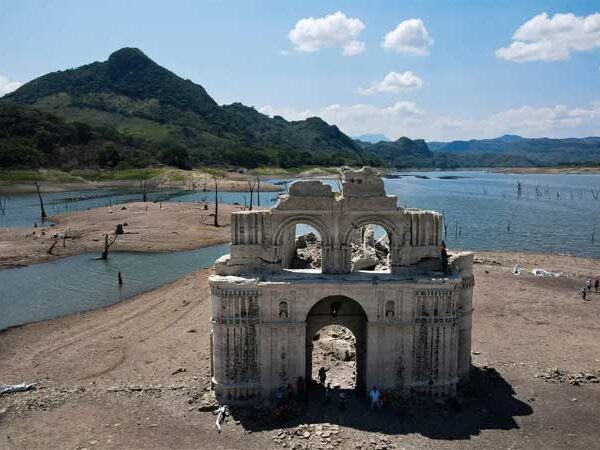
x: 128, y: 59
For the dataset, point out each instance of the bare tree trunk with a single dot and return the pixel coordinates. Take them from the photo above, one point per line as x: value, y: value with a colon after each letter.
x: 144, y: 187
x: 251, y: 185
x: 3, y: 205
x: 107, y: 245
x: 257, y: 190
x: 37, y: 187
x: 216, y: 180
x: 49, y: 251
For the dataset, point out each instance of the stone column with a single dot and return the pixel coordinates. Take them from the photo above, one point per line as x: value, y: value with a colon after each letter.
x: 465, y: 308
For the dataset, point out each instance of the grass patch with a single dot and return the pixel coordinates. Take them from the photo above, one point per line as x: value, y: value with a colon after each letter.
x: 44, y: 175
x: 126, y: 174
x: 295, y: 171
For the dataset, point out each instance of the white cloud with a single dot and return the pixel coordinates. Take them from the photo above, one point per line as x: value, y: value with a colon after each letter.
x: 545, y: 38
x: 353, y: 48
x: 334, y: 30
x: 394, y: 82
x: 407, y: 119
x: 409, y: 37
x: 7, y: 86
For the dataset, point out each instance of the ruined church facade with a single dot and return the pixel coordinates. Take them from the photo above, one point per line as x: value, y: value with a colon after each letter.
x: 412, y: 323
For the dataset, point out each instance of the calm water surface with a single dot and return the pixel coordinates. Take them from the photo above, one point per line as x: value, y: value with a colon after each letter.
x: 80, y: 283
x: 483, y: 211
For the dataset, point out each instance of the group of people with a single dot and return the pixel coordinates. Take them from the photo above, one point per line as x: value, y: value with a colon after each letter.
x: 588, y: 288
x: 376, y: 398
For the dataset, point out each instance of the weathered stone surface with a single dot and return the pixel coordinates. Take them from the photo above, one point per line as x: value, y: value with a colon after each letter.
x: 414, y: 319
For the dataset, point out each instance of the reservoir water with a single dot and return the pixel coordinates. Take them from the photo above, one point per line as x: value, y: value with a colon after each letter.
x: 83, y: 282
x: 558, y: 213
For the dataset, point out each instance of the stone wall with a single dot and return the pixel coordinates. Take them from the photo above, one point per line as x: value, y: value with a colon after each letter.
x: 412, y: 323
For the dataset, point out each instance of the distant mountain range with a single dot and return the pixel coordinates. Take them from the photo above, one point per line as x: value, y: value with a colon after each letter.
x: 129, y: 111
x: 156, y: 109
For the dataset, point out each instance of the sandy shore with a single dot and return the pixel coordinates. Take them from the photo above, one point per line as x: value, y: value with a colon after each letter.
x: 89, y: 368
x: 151, y: 227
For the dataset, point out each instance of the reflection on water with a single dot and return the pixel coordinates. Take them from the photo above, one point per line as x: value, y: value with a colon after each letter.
x: 80, y: 283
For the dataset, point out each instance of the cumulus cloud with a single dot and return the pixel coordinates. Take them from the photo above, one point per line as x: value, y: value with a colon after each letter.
x: 407, y: 119
x: 335, y: 30
x: 353, y: 48
x: 394, y: 82
x: 555, y: 38
x: 409, y: 37
x: 7, y: 86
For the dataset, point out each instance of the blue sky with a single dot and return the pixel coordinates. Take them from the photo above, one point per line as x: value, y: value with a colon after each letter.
x: 448, y: 79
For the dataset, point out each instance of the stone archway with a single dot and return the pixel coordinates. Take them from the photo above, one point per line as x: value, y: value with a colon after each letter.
x: 388, y: 226
x: 284, y: 239
x: 348, y: 313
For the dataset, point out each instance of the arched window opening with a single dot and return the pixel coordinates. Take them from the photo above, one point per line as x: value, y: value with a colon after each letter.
x: 370, y: 246
x: 389, y: 310
x: 334, y: 355
x: 283, y: 310
x: 302, y: 248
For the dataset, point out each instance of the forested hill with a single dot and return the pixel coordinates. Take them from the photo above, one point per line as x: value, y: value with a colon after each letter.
x: 403, y: 152
x: 155, y: 109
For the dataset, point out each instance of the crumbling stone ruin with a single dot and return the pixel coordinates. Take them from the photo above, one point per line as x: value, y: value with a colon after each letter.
x: 410, y: 316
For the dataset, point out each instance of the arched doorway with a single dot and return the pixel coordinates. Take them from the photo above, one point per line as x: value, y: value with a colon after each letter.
x: 303, y: 243
x: 343, y: 312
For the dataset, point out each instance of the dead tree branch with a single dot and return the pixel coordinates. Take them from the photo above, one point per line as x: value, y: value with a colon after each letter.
x: 43, y: 211
x: 108, y: 243
x: 216, y: 182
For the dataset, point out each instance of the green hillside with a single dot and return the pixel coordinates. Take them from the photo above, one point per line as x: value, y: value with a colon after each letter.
x: 138, y: 99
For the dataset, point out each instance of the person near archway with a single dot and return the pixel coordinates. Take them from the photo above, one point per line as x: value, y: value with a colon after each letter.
x: 444, y: 256
x: 375, y: 396
x: 323, y: 375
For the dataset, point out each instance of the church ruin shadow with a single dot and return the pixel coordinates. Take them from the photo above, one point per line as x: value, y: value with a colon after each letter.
x: 486, y: 402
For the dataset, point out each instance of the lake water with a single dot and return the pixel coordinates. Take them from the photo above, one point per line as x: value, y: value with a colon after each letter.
x: 83, y: 282
x: 484, y: 204
x: 23, y: 210
x: 483, y: 211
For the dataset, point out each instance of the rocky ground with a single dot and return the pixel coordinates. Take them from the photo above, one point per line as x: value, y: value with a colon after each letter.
x: 367, y: 252
x: 136, y: 375
x: 147, y: 227
x: 335, y: 351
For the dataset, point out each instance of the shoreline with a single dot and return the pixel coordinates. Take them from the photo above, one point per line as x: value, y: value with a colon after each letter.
x: 552, y: 262
x: 135, y: 373
x: 151, y: 228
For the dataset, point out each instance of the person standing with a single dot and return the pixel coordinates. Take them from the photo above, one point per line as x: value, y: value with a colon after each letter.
x: 374, y: 396
x: 323, y: 375
x: 589, y: 284
x: 444, y: 256
x: 596, y: 284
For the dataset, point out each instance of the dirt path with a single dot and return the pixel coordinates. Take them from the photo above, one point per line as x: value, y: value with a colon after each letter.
x: 159, y: 341
x: 151, y: 227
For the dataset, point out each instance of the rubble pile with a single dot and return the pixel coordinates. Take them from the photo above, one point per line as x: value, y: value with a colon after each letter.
x: 368, y: 253
x: 308, y: 252
x: 556, y: 375
x: 337, y: 342
x: 335, y: 348
x: 308, y: 436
